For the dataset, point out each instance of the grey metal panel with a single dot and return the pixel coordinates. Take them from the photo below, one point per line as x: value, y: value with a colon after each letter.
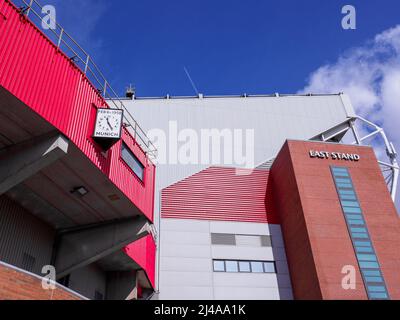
x: 35, y: 238
x: 223, y: 239
x: 266, y: 241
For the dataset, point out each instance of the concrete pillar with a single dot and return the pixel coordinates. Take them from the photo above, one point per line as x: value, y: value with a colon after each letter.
x: 81, y: 246
x: 23, y: 160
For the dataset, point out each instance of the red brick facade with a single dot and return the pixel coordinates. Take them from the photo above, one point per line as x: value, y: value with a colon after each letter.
x: 317, y: 240
x: 16, y: 285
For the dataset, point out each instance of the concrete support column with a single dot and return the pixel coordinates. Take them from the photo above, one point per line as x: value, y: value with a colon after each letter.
x: 21, y: 161
x: 81, y: 246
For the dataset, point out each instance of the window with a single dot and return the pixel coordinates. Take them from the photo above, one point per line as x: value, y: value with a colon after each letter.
x: 364, y: 250
x: 269, y: 267
x: 244, y: 266
x: 235, y: 266
x: 257, y: 267
x: 231, y: 266
x: 223, y: 239
x: 219, y: 266
x: 132, y: 161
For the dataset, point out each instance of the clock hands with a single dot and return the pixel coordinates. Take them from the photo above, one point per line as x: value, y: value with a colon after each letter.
x: 109, y: 124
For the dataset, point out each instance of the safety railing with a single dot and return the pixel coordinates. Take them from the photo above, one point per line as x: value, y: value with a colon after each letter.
x: 65, y: 43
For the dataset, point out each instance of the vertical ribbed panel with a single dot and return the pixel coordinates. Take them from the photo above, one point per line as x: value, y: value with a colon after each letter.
x: 22, y: 233
x: 37, y: 73
x: 220, y: 194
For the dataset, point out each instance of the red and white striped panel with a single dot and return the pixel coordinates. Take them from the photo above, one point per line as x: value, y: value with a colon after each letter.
x: 219, y: 193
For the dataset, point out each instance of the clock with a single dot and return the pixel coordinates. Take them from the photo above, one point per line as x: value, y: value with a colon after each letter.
x: 108, y: 127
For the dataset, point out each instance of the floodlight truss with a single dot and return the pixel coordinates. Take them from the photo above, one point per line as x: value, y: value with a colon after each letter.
x: 390, y: 168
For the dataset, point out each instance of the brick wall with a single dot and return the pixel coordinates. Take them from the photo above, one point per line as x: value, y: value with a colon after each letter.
x: 316, y: 237
x: 17, y: 285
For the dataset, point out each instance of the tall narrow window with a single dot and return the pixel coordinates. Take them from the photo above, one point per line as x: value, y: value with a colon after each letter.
x: 358, y: 231
x: 132, y: 161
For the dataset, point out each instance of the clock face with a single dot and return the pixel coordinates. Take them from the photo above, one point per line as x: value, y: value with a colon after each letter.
x: 108, y: 123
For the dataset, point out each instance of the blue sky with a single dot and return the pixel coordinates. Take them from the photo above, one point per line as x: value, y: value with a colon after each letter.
x: 229, y: 47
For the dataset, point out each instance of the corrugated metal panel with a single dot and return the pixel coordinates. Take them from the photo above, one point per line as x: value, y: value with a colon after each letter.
x: 37, y: 73
x: 35, y: 238
x: 220, y: 194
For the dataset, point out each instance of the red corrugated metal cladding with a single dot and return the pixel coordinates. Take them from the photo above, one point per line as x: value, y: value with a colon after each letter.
x: 221, y: 194
x: 143, y: 252
x: 47, y: 81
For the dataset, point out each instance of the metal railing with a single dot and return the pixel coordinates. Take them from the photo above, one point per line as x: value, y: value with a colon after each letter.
x: 66, y: 44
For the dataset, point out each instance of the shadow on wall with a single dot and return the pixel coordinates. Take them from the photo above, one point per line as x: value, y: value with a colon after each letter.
x: 278, y: 247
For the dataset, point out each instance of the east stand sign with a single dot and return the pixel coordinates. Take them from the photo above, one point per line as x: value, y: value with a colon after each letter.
x: 334, y: 155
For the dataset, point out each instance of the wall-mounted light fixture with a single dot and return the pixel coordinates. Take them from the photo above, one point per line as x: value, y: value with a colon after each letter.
x: 80, y: 191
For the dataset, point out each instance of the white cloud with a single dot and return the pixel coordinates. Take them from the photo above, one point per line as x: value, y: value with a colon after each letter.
x: 370, y: 75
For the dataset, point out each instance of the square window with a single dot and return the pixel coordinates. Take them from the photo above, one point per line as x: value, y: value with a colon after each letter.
x: 219, y: 266
x: 269, y: 267
x: 244, y: 266
x: 257, y: 267
x: 231, y: 266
